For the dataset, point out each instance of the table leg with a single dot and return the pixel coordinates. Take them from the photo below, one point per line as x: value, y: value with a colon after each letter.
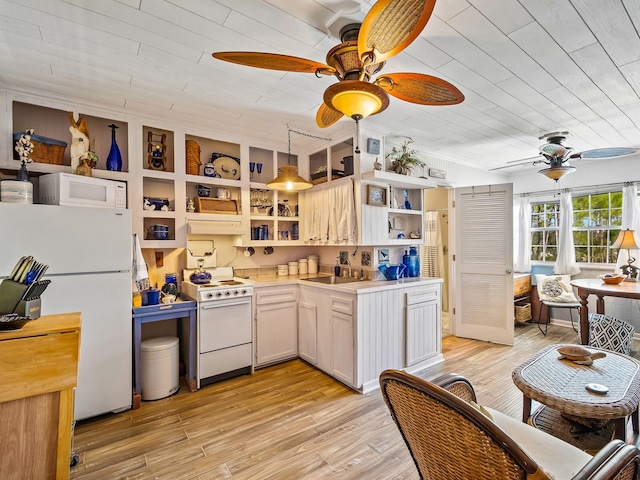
x: 584, y: 317
x: 191, y: 368
x: 620, y: 429
x: 526, y: 408
x: 634, y: 421
x: 137, y: 349
x: 600, y: 305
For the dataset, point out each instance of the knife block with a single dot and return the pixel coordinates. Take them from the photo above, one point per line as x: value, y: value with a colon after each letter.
x: 29, y: 308
x: 10, y: 294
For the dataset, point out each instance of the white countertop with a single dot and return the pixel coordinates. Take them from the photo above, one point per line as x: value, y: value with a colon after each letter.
x: 359, y: 286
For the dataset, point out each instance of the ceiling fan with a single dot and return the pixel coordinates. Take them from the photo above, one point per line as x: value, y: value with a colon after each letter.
x: 388, y: 28
x: 557, y: 155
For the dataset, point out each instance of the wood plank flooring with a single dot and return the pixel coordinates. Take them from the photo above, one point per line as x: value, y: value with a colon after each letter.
x: 289, y: 421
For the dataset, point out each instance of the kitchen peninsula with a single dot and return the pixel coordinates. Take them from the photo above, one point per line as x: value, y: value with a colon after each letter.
x: 351, y: 331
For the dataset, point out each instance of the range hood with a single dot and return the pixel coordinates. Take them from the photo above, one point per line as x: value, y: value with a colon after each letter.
x: 215, y: 227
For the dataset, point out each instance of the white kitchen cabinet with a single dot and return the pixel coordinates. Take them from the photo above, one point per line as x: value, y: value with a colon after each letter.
x: 331, y: 315
x: 276, y: 321
x: 308, y: 332
x: 423, y: 325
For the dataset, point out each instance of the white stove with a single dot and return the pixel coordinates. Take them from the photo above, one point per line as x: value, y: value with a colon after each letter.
x: 225, y: 347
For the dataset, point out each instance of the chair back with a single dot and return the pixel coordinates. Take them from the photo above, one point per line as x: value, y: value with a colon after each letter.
x: 610, y: 333
x: 448, y: 438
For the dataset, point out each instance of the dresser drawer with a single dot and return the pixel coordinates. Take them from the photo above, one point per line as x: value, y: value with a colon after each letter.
x: 521, y: 285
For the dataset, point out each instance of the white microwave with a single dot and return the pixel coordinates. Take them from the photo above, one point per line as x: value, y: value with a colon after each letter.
x: 78, y: 190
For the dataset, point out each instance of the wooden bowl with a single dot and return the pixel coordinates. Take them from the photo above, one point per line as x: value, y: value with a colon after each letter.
x: 613, y: 279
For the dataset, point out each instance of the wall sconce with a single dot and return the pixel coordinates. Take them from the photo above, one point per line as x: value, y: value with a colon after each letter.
x: 626, y: 239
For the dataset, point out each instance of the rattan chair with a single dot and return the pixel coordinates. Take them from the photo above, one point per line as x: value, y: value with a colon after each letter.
x: 451, y: 438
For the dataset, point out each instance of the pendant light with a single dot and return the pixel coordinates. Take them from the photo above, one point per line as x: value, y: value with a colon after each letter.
x: 288, y: 180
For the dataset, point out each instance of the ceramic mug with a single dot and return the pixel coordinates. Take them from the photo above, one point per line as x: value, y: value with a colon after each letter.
x: 222, y: 193
x: 203, y: 190
x: 168, y: 299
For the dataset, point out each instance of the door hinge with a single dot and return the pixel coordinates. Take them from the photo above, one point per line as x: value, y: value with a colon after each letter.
x: 453, y: 257
x: 453, y: 204
x: 454, y: 310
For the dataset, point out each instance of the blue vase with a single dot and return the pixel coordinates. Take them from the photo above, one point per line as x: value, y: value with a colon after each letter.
x: 407, y: 203
x: 114, y: 160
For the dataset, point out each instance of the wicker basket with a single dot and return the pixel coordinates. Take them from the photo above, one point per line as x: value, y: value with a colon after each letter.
x: 193, y: 157
x: 45, y: 150
x: 523, y: 312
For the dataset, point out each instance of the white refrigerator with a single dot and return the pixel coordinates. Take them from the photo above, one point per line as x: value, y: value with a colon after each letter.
x: 88, y: 251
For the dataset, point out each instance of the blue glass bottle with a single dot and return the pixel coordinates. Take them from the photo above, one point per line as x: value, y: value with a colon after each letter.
x: 114, y: 160
x: 414, y: 262
x: 407, y: 203
x: 407, y: 265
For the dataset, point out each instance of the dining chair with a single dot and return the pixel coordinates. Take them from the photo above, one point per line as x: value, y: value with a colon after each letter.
x: 610, y: 333
x: 450, y: 437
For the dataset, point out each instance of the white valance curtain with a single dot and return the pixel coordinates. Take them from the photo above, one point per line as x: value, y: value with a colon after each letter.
x: 566, y: 261
x: 630, y: 220
x: 330, y: 213
x: 522, y: 235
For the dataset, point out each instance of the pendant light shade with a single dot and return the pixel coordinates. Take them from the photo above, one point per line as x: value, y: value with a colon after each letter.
x: 289, y: 180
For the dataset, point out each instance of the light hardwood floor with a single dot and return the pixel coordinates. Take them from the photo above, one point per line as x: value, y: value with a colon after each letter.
x: 288, y: 422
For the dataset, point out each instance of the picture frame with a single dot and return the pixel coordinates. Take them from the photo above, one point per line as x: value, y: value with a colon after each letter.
x: 376, y: 196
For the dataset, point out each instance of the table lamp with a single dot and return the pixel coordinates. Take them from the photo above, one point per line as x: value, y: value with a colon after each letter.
x: 626, y: 239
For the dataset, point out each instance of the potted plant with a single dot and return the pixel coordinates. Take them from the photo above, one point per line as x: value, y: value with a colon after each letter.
x: 404, y: 159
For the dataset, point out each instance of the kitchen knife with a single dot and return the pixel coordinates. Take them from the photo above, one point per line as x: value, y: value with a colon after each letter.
x: 23, y: 268
x: 41, y: 272
x: 16, y: 268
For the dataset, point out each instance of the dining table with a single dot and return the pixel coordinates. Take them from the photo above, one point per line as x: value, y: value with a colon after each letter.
x: 595, y: 286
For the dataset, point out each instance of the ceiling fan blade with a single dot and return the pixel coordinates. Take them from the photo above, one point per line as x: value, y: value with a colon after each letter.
x: 526, y: 160
x: 327, y: 116
x: 607, y: 152
x: 390, y: 26
x: 275, y: 61
x: 521, y: 164
x: 420, y: 88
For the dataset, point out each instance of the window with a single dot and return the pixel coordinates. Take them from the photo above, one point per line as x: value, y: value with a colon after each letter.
x: 596, y: 224
x: 597, y: 220
x: 544, y: 231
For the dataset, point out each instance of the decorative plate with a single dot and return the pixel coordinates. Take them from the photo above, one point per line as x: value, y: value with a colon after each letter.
x: 226, y: 167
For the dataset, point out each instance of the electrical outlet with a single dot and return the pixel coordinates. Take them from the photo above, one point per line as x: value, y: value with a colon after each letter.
x: 344, y: 258
x: 365, y: 259
x: 159, y: 259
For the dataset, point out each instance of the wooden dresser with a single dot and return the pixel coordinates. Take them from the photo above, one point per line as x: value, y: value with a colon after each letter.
x: 39, y: 365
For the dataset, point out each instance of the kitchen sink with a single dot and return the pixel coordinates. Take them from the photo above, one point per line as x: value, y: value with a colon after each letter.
x: 332, y: 280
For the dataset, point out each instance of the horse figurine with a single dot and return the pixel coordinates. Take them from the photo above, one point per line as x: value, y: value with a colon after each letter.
x: 79, y: 141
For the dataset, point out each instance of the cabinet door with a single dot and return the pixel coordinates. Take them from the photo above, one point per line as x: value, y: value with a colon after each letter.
x: 276, y: 332
x: 343, y: 348
x: 422, y: 337
x: 308, y: 332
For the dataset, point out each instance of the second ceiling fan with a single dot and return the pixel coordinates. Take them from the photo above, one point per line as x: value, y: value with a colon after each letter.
x: 388, y: 28
x: 557, y: 155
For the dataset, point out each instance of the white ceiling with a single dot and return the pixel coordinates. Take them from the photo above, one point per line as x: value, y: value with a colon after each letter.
x: 526, y: 67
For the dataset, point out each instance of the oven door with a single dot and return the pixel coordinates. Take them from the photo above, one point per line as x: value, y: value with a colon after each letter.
x: 224, y: 323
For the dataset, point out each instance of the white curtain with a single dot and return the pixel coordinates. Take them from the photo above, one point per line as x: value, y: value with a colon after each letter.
x: 330, y: 213
x: 630, y: 220
x: 566, y: 262
x: 522, y: 235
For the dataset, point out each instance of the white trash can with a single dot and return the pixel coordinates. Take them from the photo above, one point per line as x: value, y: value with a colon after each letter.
x: 159, y: 367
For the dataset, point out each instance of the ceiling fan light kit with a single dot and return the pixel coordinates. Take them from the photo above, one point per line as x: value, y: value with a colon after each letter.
x: 356, y: 99
x: 556, y: 173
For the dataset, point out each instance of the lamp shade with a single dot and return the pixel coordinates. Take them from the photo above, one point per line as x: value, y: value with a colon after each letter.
x: 356, y: 99
x: 555, y: 173
x: 626, y: 239
x: 289, y: 180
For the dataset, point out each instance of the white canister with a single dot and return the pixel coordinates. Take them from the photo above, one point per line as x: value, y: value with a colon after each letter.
x: 303, y: 266
x: 283, y: 270
x: 293, y: 268
x: 313, y: 263
x: 16, y: 191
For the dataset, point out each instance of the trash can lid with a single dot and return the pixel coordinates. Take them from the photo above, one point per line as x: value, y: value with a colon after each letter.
x: 158, y: 343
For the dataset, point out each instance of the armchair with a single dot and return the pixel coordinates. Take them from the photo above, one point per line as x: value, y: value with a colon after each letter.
x: 451, y: 438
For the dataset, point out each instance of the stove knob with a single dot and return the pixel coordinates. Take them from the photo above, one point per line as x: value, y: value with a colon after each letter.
x: 218, y: 294
x: 227, y: 293
x: 244, y: 292
x: 209, y: 295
